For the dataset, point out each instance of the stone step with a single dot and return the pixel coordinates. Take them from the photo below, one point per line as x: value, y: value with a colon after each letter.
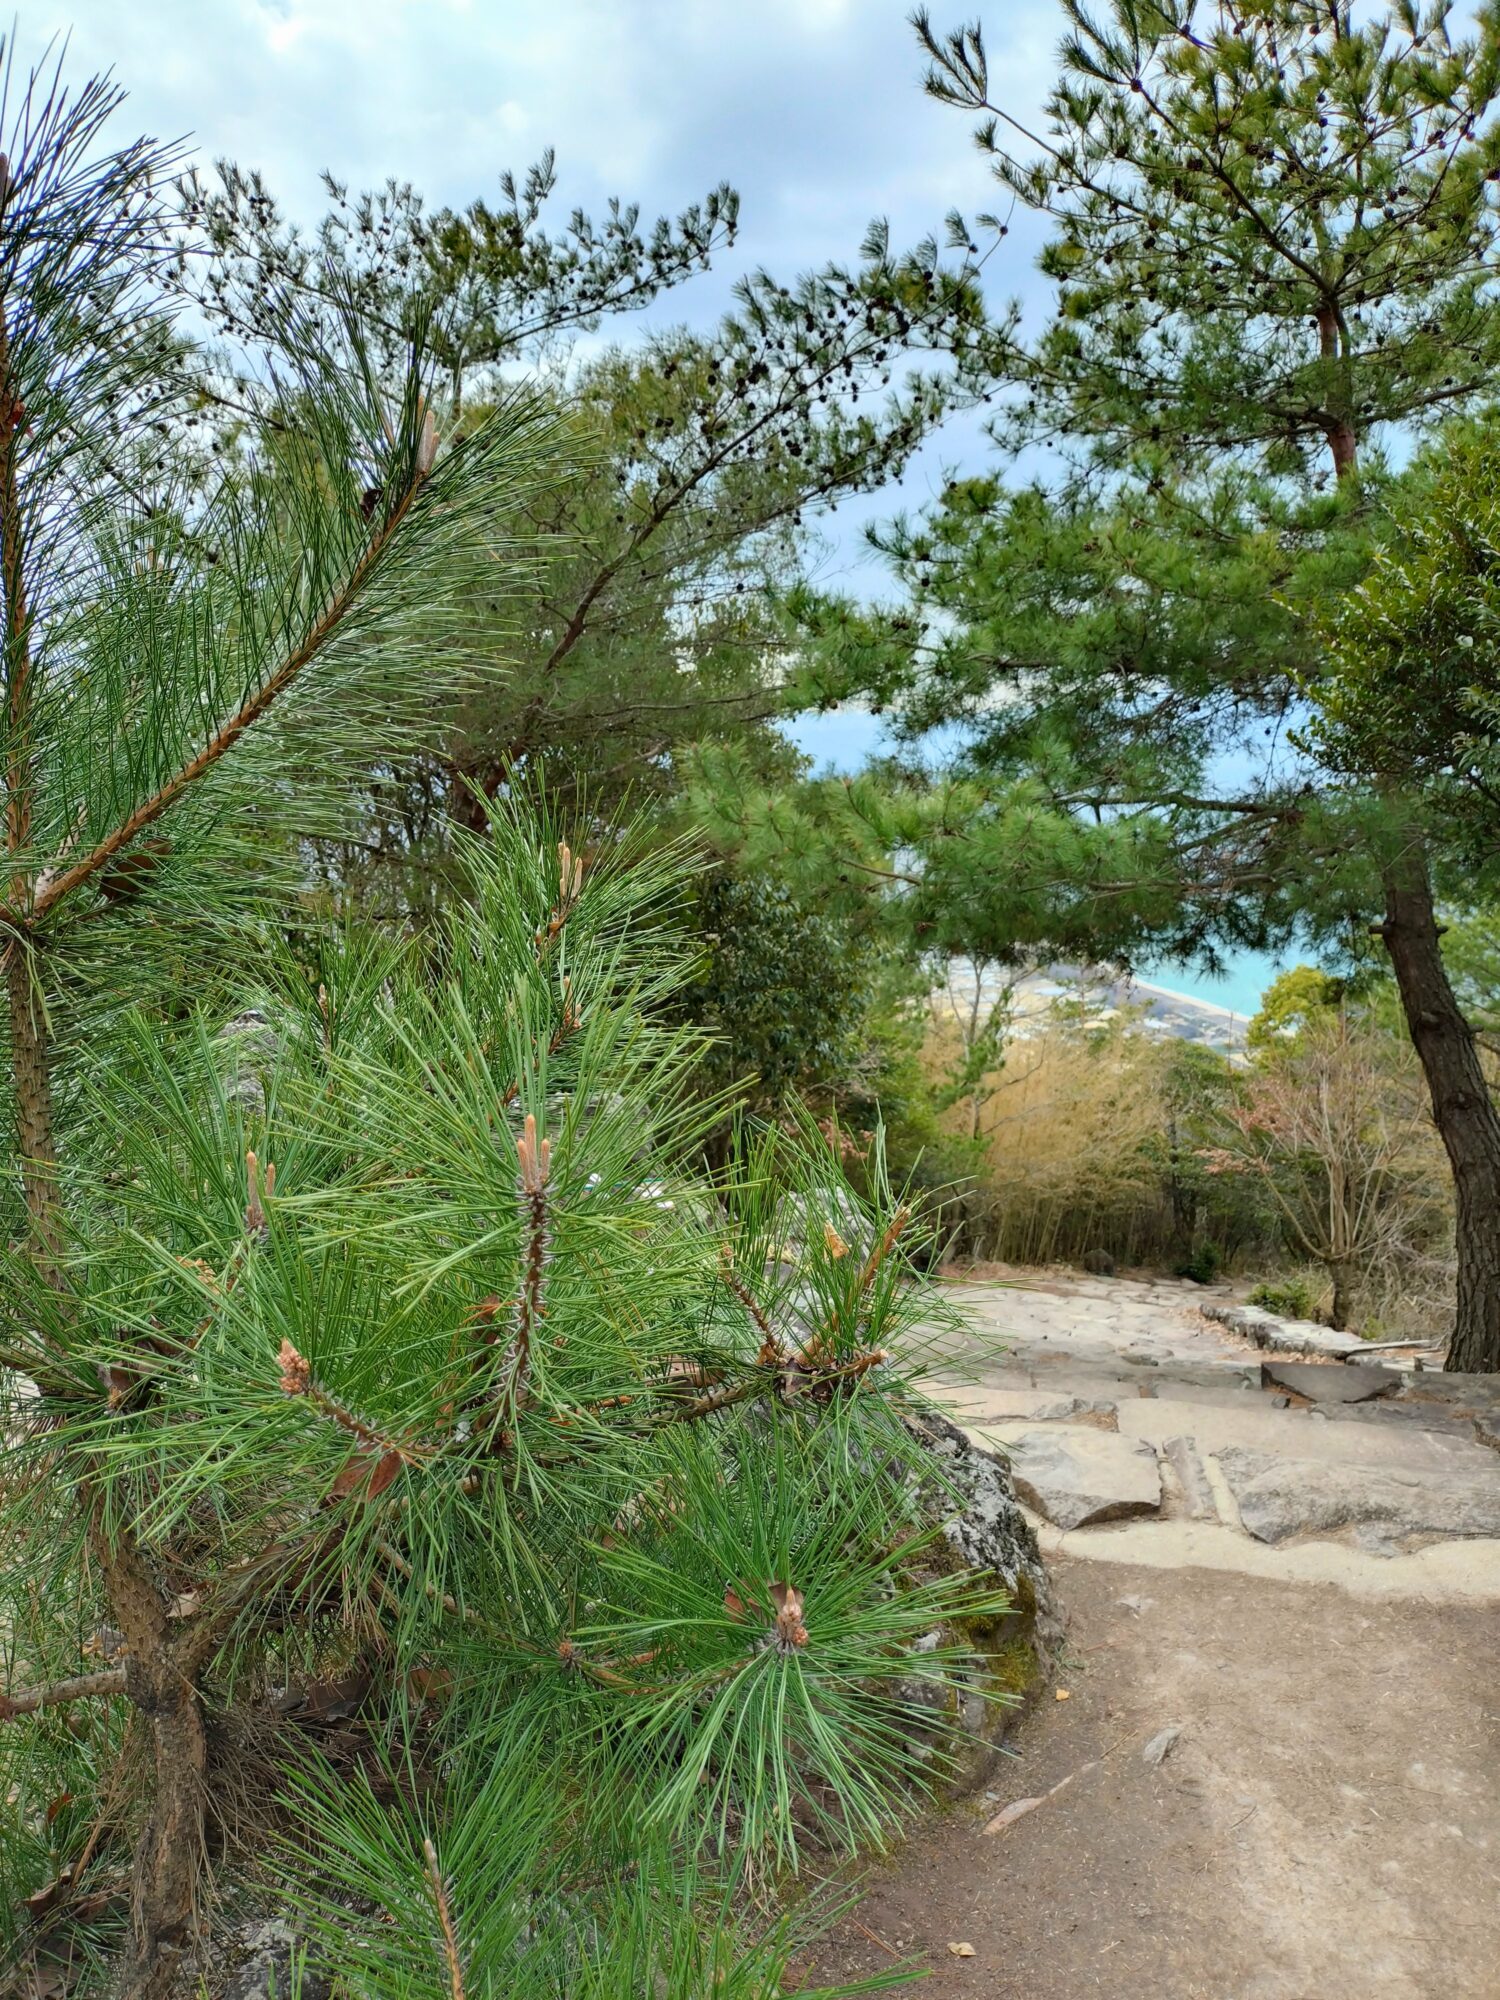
x: 1280, y: 1498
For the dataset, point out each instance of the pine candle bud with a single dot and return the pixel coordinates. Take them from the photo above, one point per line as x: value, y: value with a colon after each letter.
x: 535, y: 1160
x: 296, y: 1371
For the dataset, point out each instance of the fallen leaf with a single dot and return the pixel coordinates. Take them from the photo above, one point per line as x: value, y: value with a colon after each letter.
x: 1063, y: 1695
x: 962, y: 1950
x: 365, y: 1475
x: 1009, y: 1814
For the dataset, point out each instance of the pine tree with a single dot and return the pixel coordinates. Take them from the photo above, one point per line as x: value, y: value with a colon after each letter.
x: 1273, y: 223
x: 705, y: 458
x: 1273, y: 226
x: 411, y: 1476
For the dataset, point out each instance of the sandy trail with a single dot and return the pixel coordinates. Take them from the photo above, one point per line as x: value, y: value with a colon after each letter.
x: 1327, y: 1826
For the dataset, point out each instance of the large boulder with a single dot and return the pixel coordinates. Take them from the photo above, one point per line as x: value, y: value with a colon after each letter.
x: 971, y: 1498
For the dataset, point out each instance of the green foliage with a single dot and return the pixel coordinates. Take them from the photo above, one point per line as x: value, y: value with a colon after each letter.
x: 1409, y: 693
x: 368, y: 1341
x: 1270, y: 233
x: 1471, y: 951
x: 706, y: 459
x: 784, y: 991
x: 1272, y: 223
x: 1296, y: 1000
x: 1291, y: 1298
x: 570, y: 1510
x: 1202, y: 1264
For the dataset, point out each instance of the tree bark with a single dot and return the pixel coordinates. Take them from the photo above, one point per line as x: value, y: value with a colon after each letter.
x: 1462, y: 1108
x: 164, y: 1887
x: 1343, y: 1297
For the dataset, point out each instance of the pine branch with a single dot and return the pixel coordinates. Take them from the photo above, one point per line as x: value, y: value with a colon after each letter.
x: 275, y: 684
x: 80, y: 1687
x: 451, y: 1959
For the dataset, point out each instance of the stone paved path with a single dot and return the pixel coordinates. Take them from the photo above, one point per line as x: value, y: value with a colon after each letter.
x: 1140, y: 1430
x: 1302, y: 1583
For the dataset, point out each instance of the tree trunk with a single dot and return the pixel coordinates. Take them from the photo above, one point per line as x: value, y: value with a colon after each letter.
x: 164, y: 1887
x: 1343, y: 1297
x: 33, y: 1111
x: 1462, y: 1107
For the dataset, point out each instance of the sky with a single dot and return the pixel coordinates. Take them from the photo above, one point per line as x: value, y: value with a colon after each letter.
x: 813, y: 109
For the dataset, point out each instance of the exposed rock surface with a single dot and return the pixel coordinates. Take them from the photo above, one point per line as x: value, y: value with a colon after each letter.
x: 1181, y: 1453
x: 973, y: 1499
x: 1370, y: 1450
x: 1321, y: 1383
x: 1075, y: 1478
x: 1280, y: 1497
x: 256, y: 1962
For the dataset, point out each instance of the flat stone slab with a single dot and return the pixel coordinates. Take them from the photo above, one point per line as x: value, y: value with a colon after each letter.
x: 1077, y: 1478
x: 1327, y: 1382
x: 982, y: 1403
x: 1282, y: 1497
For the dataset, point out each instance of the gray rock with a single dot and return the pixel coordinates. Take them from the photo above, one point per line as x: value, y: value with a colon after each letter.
x: 973, y: 1496
x: 1067, y: 1409
x: 972, y: 1499
x: 1284, y: 1336
x: 1388, y: 1413
x: 1161, y: 1746
x: 1324, y: 1382
x: 1282, y: 1497
x: 1182, y: 1455
x: 263, y: 1961
x: 1080, y: 1477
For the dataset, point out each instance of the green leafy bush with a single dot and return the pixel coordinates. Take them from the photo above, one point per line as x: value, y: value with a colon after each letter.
x: 1202, y: 1264
x: 1289, y: 1298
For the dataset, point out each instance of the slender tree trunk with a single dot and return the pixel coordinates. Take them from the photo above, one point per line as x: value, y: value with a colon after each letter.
x: 1343, y: 1297
x: 168, y: 1850
x: 1462, y: 1107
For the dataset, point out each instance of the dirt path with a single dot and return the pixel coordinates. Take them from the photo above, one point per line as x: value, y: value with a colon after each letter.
x: 1327, y: 1826
x: 1300, y: 1571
